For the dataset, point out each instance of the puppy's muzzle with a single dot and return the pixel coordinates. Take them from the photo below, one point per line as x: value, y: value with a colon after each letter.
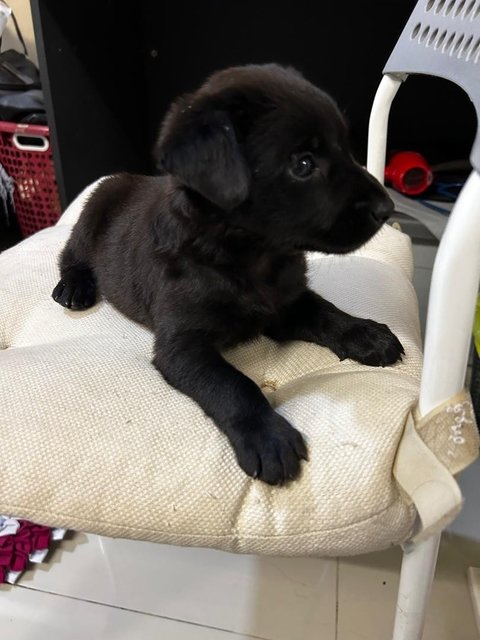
x: 380, y: 207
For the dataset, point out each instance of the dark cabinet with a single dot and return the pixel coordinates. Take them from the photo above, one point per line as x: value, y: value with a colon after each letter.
x: 111, y: 67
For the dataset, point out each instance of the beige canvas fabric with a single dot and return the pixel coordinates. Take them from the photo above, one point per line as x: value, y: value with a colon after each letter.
x: 94, y: 439
x: 432, y: 449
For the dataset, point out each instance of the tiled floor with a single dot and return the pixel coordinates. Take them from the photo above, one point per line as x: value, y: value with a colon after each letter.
x: 120, y: 590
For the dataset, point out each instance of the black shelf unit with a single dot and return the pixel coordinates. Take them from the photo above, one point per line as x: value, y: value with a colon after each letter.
x: 110, y: 68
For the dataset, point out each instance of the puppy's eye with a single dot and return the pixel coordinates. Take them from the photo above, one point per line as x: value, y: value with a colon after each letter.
x: 302, y: 166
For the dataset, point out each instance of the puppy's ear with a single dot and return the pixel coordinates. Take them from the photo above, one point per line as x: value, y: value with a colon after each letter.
x: 200, y: 148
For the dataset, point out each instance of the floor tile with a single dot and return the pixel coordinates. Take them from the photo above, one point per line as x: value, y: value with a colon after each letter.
x: 26, y: 614
x: 368, y: 591
x: 474, y: 586
x: 468, y: 522
x: 273, y: 598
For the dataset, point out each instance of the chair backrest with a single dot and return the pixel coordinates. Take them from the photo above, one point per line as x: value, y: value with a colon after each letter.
x: 442, y: 38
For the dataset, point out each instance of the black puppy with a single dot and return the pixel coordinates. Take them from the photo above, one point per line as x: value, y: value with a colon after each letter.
x: 257, y: 171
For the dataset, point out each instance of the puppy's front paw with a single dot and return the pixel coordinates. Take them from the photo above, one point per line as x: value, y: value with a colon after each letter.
x: 371, y: 343
x: 270, y: 449
x: 75, y: 295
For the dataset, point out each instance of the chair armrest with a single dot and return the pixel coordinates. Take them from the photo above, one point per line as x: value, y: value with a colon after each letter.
x: 452, y: 300
x: 456, y: 272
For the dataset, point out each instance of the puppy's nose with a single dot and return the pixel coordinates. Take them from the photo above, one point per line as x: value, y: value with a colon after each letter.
x: 381, y: 209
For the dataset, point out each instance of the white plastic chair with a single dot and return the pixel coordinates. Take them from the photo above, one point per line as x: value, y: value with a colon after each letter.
x: 441, y: 38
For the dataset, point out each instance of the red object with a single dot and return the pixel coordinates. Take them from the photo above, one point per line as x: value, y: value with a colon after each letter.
x: 409, y: 173
x: 26, y: 155
x: 15, y: 548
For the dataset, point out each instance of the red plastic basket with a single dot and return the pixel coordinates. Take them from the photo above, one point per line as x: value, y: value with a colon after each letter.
x: 26, y: 156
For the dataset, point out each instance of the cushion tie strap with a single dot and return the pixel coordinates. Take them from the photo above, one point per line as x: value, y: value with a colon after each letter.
x: 431, y: 451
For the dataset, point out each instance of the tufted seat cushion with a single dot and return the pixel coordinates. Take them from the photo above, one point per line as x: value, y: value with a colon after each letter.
x: 94, y: 439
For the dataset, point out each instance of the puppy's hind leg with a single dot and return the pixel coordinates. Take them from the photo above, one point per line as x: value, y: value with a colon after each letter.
x: 77, y: 288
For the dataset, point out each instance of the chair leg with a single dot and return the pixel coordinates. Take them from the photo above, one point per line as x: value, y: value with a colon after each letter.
x: 418, y: 568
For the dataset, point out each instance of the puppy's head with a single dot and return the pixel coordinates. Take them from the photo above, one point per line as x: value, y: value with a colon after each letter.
x: 270, y: 152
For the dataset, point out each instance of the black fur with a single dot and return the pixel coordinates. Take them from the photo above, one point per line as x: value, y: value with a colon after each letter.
x: 211, y: 254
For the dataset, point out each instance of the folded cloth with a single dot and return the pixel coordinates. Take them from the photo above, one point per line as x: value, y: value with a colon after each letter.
x: 7, y: 187
x: 21, y: 542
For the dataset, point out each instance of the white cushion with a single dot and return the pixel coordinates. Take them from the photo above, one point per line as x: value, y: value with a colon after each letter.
x: 94, y: 439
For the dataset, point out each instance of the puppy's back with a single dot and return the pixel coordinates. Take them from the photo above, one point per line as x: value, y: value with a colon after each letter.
x: 114, y: 238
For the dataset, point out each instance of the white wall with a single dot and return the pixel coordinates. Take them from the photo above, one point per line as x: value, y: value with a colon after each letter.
x: 21, y: 9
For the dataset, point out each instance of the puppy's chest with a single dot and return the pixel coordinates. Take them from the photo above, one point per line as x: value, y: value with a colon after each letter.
x: 260, y: 289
